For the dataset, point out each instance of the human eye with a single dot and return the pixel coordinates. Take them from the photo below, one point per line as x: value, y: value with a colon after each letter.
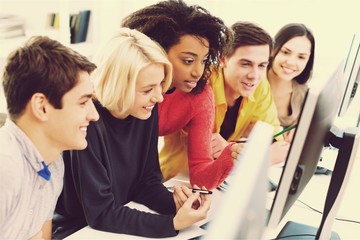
x: 188, y: 61
x: 84, y: 102
x: 284, y: 51
x: 245, y: 64
x: 147, y: 91
x: 205, y: 61
x: 262, y: 66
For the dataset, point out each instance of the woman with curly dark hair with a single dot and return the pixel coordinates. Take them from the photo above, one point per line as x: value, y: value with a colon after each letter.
x: 194, y: 40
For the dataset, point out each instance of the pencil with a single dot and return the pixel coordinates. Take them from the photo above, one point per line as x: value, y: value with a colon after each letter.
x: 284, y: 131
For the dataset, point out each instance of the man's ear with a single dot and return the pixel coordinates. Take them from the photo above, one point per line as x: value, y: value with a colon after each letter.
x: 39, y: 104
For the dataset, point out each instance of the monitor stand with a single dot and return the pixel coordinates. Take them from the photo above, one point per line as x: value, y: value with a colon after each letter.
x: 347, y: 146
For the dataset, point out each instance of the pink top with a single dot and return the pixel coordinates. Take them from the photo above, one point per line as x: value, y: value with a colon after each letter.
x: 195, y: 115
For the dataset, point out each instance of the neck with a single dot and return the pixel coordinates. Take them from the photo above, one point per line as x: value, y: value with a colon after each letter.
x: 230, y: 96
x: 276, y: 82
x: 35, y: 132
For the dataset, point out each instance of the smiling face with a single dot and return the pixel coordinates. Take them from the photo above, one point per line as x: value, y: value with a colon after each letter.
x: 66, y: 127
x: 148, y: 90
x: 292, y: 58
x: 188, y: 58
x: 244, y: 69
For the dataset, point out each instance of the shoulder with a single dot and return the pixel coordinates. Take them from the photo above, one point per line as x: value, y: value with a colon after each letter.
x: 263, y: 89
x: 302, y: 88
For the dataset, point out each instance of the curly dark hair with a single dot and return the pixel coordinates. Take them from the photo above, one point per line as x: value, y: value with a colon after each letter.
x: 167, y: 21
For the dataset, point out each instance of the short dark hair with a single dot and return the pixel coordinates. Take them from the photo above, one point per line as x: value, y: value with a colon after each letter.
x: 41, y: 65
x: 285, y: 34
x: 247, y: 34
x: 167, y: 21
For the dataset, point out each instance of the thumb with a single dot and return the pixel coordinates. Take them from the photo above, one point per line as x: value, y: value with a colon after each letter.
x: 191, y: 199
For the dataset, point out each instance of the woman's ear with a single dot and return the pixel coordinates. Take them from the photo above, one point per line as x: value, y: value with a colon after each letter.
x: 38, y: 103
x: 222, y: 61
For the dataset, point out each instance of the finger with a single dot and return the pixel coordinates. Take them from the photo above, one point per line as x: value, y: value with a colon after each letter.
x: 192, y: 198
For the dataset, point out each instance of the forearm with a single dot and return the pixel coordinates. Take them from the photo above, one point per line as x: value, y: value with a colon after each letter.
x: 211, y: 173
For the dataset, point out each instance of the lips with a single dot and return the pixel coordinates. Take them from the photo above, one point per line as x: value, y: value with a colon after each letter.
x: 287, y: 70
x: 149, y: 108
x: 83, y: 130
x: 248, y: 86
x: 191, y: 84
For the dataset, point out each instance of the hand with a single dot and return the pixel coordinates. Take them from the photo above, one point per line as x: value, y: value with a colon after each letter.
x: 278, y: 152
x: 187, y: 215
x: 180, y: 195
x: 218, y: 143
x: 236, y: 149
x: 37, y: 236
x: 288, y: 136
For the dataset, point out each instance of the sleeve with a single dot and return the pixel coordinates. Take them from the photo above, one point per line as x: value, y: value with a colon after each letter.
x: 265, y: 108
x: 104, y: 212
x: 203, y: 170
x: 10, y: 190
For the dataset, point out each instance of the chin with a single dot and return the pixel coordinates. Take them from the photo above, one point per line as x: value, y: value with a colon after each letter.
x: 143, y: 116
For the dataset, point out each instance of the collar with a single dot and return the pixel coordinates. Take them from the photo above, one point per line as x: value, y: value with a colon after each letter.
x: 218, y: 83
x: 31, y: 154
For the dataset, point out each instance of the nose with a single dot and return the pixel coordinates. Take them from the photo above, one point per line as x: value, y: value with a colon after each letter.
x: 158, y: 95
x: 93, y: 114
x: 197, y: 70
x: 254, y: 73
x: 291, y: 60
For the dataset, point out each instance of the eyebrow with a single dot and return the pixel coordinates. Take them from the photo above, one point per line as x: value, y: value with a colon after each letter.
x: 87, y: 96
x: 194, y: 54
x: 292, y: 51
x: 251, y: 62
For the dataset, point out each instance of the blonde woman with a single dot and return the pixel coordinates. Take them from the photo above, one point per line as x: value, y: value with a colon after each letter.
x: 121, y: 162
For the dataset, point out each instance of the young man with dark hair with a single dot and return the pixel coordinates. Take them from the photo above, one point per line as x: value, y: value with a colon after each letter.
x: 49, y: 100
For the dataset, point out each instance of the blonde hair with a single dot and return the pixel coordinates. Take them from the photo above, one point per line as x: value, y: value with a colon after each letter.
x: 119, y: 64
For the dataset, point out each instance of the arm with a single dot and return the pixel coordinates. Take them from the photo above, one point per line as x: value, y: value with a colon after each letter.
x: 103, y: 205
x: 46, y: 230
x: 152, y: 193
x: 203, y: 170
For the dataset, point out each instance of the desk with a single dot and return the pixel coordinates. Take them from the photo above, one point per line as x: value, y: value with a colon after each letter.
x: 313, y: 195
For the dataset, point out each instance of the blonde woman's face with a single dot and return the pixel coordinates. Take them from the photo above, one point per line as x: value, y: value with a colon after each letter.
x: 188, y: 58
x: 292, y: 58
x: 149, y: 88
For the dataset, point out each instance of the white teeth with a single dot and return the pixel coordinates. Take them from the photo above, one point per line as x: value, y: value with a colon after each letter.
x: 149, y: 107
x: 288, y: 70
x: 83, y: 129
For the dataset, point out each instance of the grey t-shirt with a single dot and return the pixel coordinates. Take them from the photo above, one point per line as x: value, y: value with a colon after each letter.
x: 27, y: 200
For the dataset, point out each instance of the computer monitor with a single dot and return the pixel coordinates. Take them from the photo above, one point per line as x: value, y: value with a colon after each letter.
x: 311, y: 135
x: 351, y: 74
x: 242, y: 213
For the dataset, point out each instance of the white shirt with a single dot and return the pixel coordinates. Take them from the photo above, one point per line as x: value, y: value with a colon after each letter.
x: 27, y: 200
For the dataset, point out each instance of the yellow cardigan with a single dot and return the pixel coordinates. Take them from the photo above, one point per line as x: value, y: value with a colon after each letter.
x: 259, y: 106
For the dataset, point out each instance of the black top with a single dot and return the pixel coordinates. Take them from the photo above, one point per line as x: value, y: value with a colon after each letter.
x: 228, y: 126
x: 119, y: 165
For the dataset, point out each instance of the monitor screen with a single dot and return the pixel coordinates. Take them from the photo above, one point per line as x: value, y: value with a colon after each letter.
x: 242, y: 213
x: 311, y: 135
x: 351, y: 75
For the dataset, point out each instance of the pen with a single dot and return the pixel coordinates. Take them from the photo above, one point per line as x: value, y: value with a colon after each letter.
x: 201, y: 191
x: 284, y: 131
x: 239, y: 141
x: 194, y: 190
